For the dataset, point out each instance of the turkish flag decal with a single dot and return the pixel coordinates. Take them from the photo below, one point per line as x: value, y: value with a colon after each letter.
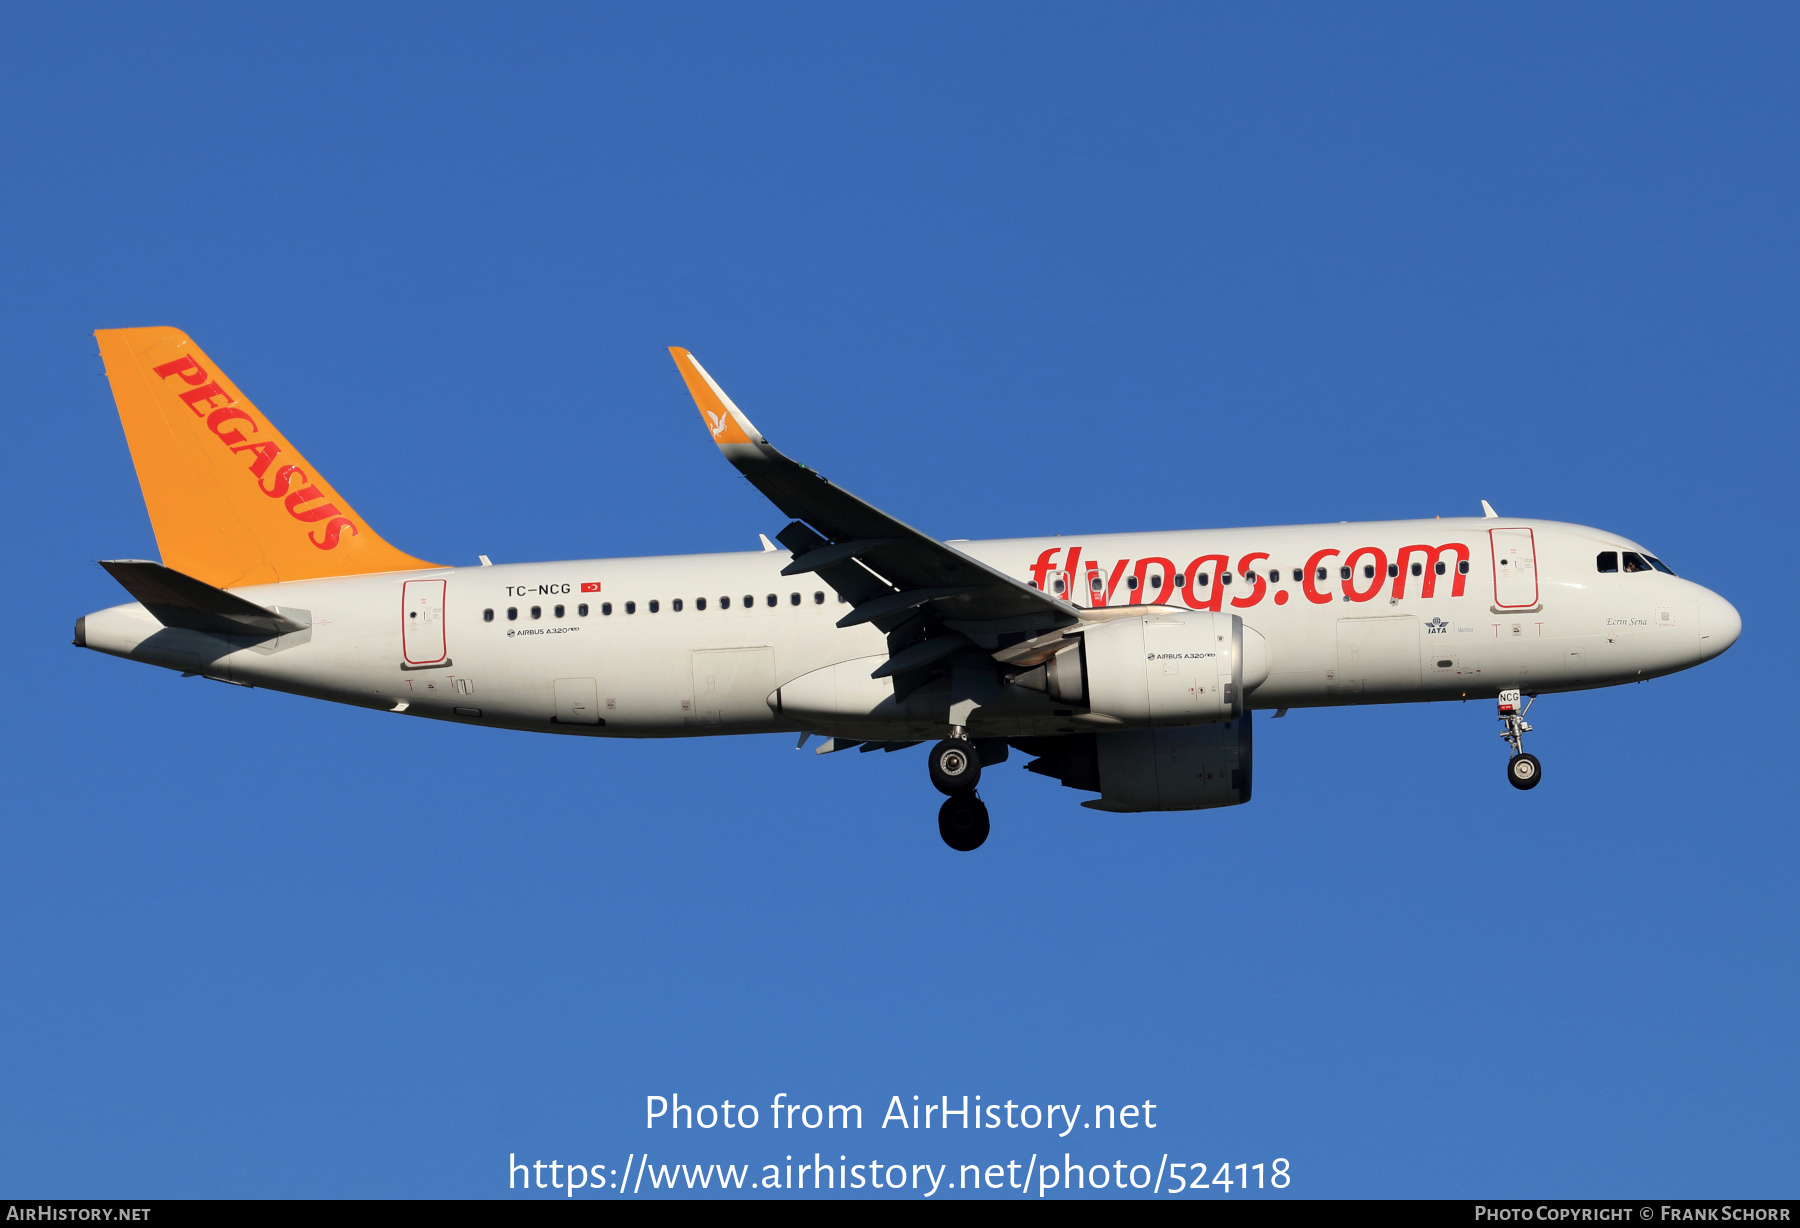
x: 590, y: 588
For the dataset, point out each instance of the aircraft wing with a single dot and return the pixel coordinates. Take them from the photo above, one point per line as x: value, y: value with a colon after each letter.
x: 931, y: 598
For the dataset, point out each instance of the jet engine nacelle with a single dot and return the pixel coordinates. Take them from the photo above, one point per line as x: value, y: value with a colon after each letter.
x: 1157, y: 669
x: 1193, y: 768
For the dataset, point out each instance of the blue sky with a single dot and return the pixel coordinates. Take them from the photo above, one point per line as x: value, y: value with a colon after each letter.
x: 1001, y: 270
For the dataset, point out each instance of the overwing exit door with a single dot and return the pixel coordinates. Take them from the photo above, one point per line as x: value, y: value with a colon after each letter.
x: 1515, y: 569
x: 422, y: 622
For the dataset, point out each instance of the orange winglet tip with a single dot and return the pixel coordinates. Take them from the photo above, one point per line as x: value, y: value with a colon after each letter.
x: 724, y: 420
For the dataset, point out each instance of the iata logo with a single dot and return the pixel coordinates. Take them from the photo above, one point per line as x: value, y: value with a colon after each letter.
x: 1436, y: 626
x: 218, y: 407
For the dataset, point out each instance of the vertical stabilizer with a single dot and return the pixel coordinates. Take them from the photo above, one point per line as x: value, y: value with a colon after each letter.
x: 232, y: 502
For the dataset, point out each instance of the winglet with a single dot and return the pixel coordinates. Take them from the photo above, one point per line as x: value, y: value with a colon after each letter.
x: 724, y: 420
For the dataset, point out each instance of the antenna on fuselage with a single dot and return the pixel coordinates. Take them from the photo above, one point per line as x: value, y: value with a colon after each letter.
x: 1488, y: 512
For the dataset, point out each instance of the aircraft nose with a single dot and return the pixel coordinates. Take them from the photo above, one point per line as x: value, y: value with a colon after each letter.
x: 1719, y: 624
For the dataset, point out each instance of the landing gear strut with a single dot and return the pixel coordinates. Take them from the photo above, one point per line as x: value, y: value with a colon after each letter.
x: 1522, y: 770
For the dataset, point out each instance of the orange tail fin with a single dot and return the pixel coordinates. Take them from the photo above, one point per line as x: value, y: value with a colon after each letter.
x: 231, y: 500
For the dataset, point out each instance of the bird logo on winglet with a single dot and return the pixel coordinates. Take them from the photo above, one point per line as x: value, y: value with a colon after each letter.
x: 717, y: 420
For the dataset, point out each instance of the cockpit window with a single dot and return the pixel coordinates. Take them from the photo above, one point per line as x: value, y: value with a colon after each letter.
x: 1659, y: 565
x: 1607, y: 560
x: 1635, y: 561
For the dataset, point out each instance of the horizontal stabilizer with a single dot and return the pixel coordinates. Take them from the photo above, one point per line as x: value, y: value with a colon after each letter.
x: 175, y: 600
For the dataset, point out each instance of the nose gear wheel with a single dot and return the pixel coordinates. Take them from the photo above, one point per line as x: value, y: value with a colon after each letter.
x: 1523, y: 771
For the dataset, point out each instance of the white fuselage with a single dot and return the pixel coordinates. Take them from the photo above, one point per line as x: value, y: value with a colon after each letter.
x: 722, y: 643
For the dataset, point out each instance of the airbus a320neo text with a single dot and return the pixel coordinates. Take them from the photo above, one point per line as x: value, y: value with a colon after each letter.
x: 1125, y: 665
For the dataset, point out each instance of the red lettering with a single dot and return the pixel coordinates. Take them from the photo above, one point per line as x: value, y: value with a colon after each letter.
x: 219, y: 416
x: 1162, y: 590
x: 189, y: 370
x: 200, y: 399
x: 1380, y: 577
x: 1043, y: 566
x: 1069, y: 571
x: 1191, y: 586
x: 265, y: 452
x: 1104, y: 597
x: 1432, y: 555
x: 284, y: 477
x: 307, y: 494
x: 1246, y: 567
x: 1312, y: 572
x: 332, y: 532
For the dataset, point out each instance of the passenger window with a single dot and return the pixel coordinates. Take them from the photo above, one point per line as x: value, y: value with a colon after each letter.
x: 699, y: 603
x: 1343, y: 573
x: 559, y: 611
x: 1275, y: 575
x: 1659, y: 565
x: 676, y: 605
x: 1180, y: 581
x: 1462, y: 568
x: 772, y: 600
x: 1058, y: 584
x: 655, y: 607
x: 1606, y: 561
x: 1635, y: 561
x: 1156, y: 581
x: 1393, y: 570
x: 1321, y: 573
x: 1225, y: 577
x: 724, y: 603
x: 1203, y: 579
x: 1131, y: 583
x: 1094, y: 582
x: 1439, y: 569
x: 793, y: 598
x: 1368, y: 571
x: 1418, y: 569
x: 605, y: 608
x: 487, y: 616
x: 512, y: 612
x: 631, y: 607
x: 749, y: 602
x: 582, y: 609
x: 819, y: 598
x: 537, y: 611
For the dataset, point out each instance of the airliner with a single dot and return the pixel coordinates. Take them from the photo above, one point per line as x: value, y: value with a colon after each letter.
x: 1125, y: 665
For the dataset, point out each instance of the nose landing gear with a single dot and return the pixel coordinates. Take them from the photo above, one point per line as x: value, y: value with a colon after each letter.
x: 1523, y: 771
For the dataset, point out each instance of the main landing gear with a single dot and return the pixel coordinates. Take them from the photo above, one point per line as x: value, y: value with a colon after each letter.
x: 1522, y: 770
x: 955, y: 767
